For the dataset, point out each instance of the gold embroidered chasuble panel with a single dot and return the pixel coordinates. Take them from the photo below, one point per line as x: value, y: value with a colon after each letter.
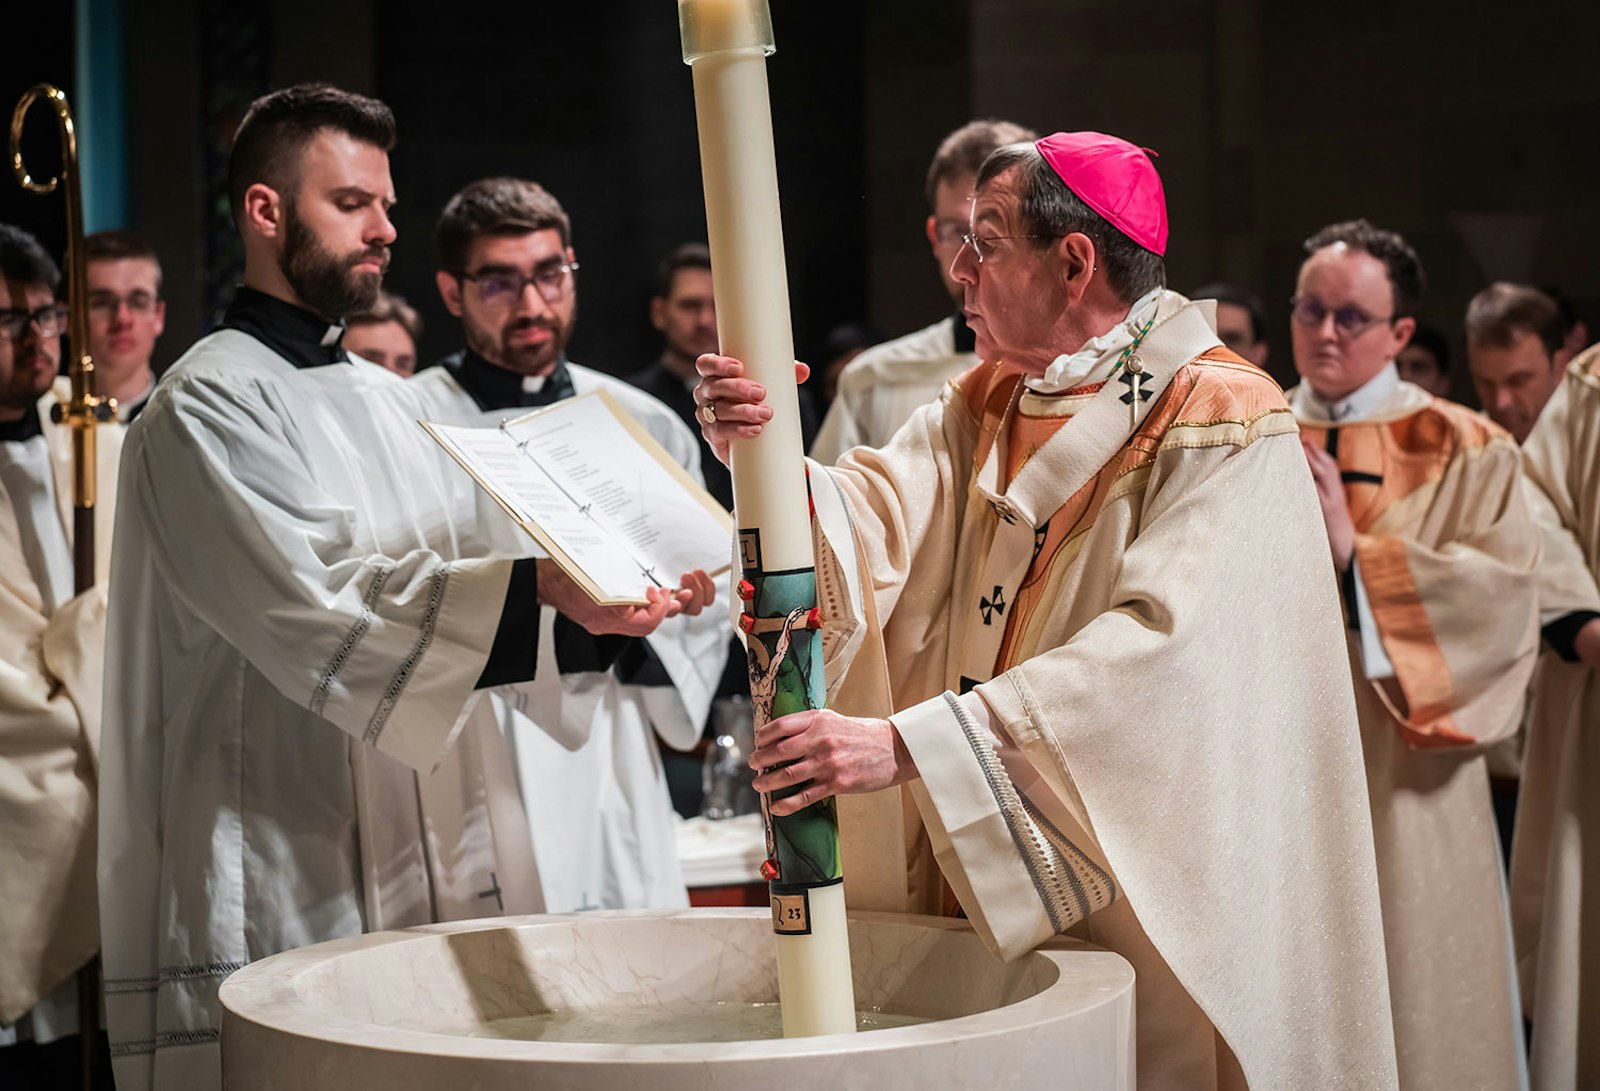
x: 1428, y: 492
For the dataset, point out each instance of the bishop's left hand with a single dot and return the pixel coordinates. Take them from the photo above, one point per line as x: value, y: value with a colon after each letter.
x: 1335, y: 508
x: 838, y: 754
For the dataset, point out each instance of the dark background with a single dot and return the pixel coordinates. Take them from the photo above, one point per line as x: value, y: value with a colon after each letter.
x: 1472, y: 129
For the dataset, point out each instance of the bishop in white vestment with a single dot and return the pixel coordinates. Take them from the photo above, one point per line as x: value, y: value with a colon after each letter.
x: 1089, y: 590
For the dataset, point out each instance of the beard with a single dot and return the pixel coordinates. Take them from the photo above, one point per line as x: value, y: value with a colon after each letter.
x: 500, y: 346
x: 327, y: 283
x: 32, y: 373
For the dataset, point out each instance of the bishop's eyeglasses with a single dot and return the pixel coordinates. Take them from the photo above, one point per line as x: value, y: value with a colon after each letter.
x: 498, y: 288
x: 50, y: 320
x: 983, y: 245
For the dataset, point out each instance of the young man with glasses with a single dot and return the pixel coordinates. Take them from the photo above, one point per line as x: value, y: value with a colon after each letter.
x: 1101, y: 698
x: 583, y: 744
x: 1435, y: 551
x: 51, y: 650
x: 126, y: 317
x: 880, y: 389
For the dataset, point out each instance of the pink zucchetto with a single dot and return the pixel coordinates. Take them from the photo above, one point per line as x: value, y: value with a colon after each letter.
x: 1116, y: 179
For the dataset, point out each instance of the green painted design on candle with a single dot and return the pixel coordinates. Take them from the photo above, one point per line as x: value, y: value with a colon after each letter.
x: 786, y: 675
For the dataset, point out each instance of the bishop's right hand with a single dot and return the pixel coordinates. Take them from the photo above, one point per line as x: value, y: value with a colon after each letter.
x: 559, y: 590
x: 728, y: 405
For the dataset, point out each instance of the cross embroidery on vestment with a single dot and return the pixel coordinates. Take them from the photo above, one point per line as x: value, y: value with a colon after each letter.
x: 996, y: 604
x: 493, y: 892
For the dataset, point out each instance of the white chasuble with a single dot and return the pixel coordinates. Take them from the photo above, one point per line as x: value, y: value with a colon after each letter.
x: 1555, y: 877
x: 301, y: 604
x: 1442, y: 531
x: 583, y: 744
x: 51, y: 652
x: 1114, y: 653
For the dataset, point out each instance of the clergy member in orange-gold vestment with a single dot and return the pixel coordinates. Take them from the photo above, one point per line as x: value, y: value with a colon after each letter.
x: 1555, y: 882
x: 1436, y: 552
x: 1090, y: 586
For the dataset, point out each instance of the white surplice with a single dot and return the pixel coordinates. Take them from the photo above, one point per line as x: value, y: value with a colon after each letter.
x: 584, y: 744
x: 51, y: 651
x: 302, y: 600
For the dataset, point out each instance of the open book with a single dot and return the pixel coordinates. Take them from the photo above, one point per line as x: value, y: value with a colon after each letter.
x: 596, y: 490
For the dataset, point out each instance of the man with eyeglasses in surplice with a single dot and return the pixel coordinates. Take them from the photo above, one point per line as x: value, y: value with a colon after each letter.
x: 126, y: 317
x: 583, y: 747
x: 52, y: 644
x: 1435, y: 553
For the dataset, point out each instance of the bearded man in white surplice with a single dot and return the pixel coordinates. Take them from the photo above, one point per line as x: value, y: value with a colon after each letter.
x: 1092, y: 600
x: 305, y: 608
x: 584, y: 743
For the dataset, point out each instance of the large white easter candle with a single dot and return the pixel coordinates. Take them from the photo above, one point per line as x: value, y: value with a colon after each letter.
x: 726, y: 42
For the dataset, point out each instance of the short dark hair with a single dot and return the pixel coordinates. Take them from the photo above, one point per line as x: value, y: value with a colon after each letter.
x: 389, y: 307
x: 120, y: 246
x: 279, y: 125
x: 691, y: 255
x: 1050, y: 211
x: 1434, y: 342
x: 1226, y: 291
x: 1406, y: 279
x: 963, y: 151
x: 22, y: 259
x: 1503, y: 312
x: 495, y: 206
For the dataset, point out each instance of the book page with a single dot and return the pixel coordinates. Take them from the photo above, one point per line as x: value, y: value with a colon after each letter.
x: 596, y: 490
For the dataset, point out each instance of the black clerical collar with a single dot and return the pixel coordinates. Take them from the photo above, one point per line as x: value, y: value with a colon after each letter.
x: 20, y: 431
x: 294, y: 333
x: 966, y: 340
x: 495, y: 387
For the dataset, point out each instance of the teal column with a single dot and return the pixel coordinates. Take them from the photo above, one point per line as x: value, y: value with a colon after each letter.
x: 99, y: 102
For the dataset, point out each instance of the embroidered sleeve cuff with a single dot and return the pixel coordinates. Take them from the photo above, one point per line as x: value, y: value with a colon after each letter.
x: 959, y: 792
x: 1562, y: 633
x: 514, y: 657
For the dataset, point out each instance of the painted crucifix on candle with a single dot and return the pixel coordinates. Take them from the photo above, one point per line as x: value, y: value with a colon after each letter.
x: 726, y: 42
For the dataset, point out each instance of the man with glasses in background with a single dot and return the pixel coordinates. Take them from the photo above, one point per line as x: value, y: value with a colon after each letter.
x: 126, y: 316
x: 51, y: 651
x: 880, y: 389
x: 1435, y: 553
x: 583, y: 745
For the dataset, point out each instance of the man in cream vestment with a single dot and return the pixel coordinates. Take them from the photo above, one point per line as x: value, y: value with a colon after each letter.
x: 1436, y: 553
x: 1554, y: 888
x: 1089, y: 587
x: 51, y: 651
